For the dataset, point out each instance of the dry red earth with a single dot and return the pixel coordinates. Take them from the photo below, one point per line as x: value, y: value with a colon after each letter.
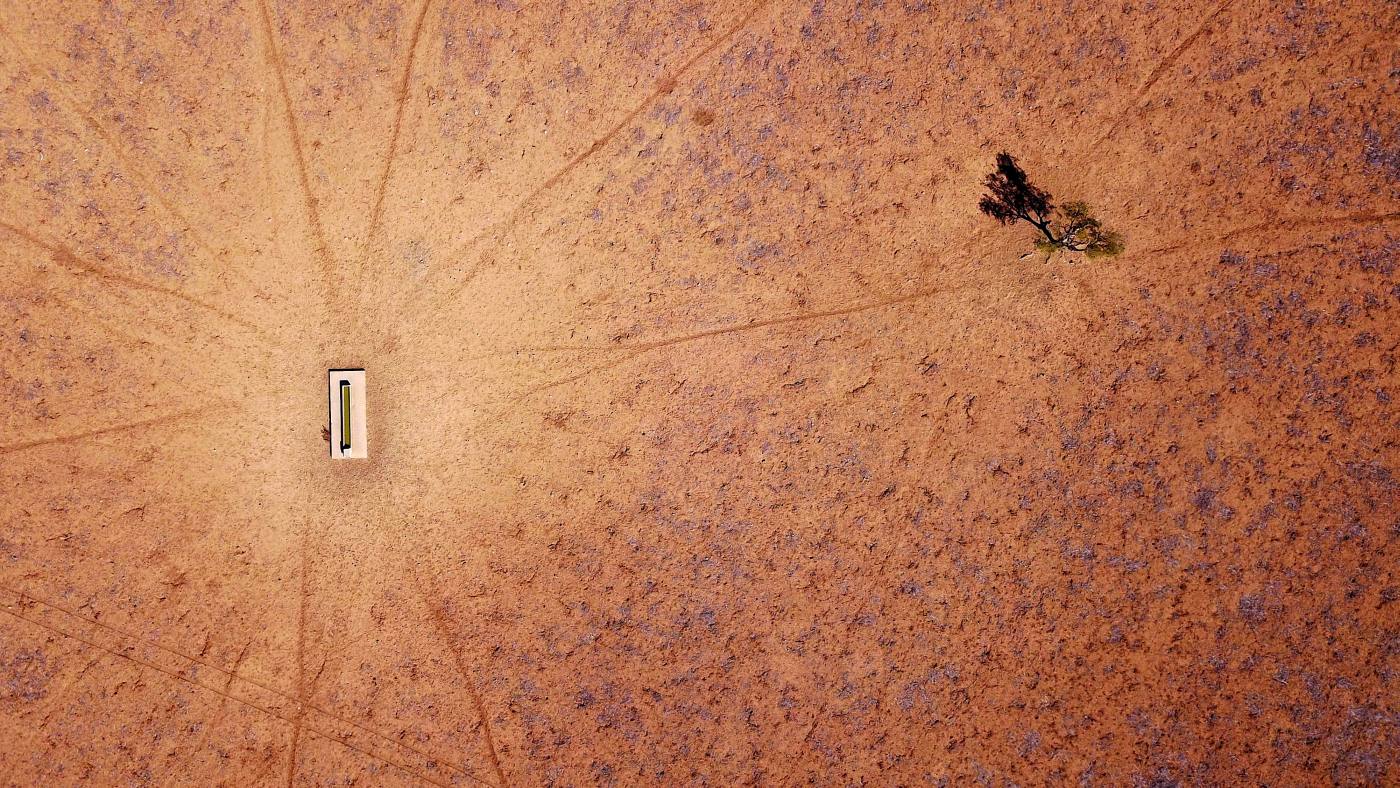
x: 715, y: 437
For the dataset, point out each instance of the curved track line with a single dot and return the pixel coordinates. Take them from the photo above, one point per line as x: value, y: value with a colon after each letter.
x: 279, y: 69
x: 1301, y: 224
x: 131, y: 425
x: 1282, y: 226
x: 173, y: 366
x: 639, y: 349
x: 664, y: 87
x: 303, y: 601
x: 222, y: 712
x: 440, y: 624
x: 133, y: 172
x: 797, y: 318
x: 543, y: 387
x: 68, y: 259
x: 265, y: 710
x: 22, y: 595
x: 133, y: 340
x: 1162, y: 67
x: 752, y: 325
x: 376, y: 214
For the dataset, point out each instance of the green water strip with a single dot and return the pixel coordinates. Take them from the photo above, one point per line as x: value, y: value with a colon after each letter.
x: 345, y: 415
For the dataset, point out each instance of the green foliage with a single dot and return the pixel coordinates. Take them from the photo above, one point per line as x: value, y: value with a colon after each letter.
x: 1110, y: 244
x: 1070, y: 227
x: 1081, y: 232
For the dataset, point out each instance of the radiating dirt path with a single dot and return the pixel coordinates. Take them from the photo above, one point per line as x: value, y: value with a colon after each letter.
x: 715, y: 437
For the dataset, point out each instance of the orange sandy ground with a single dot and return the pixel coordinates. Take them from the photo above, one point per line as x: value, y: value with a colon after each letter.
x: 716, y: 438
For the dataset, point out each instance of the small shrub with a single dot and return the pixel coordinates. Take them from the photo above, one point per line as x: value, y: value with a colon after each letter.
x: 1081, y: 232
x: 1070, y: 227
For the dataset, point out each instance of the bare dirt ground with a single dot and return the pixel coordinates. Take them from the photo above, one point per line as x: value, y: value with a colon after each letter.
x: 716, y: 438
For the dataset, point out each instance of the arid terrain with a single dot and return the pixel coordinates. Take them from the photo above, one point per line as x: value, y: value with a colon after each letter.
x: 715, y: 437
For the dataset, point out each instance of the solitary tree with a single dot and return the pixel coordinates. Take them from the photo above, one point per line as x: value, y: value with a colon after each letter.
x: 1011, y: 197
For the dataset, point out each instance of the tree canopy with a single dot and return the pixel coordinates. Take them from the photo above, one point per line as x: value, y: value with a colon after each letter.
x: 1011, y: 197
